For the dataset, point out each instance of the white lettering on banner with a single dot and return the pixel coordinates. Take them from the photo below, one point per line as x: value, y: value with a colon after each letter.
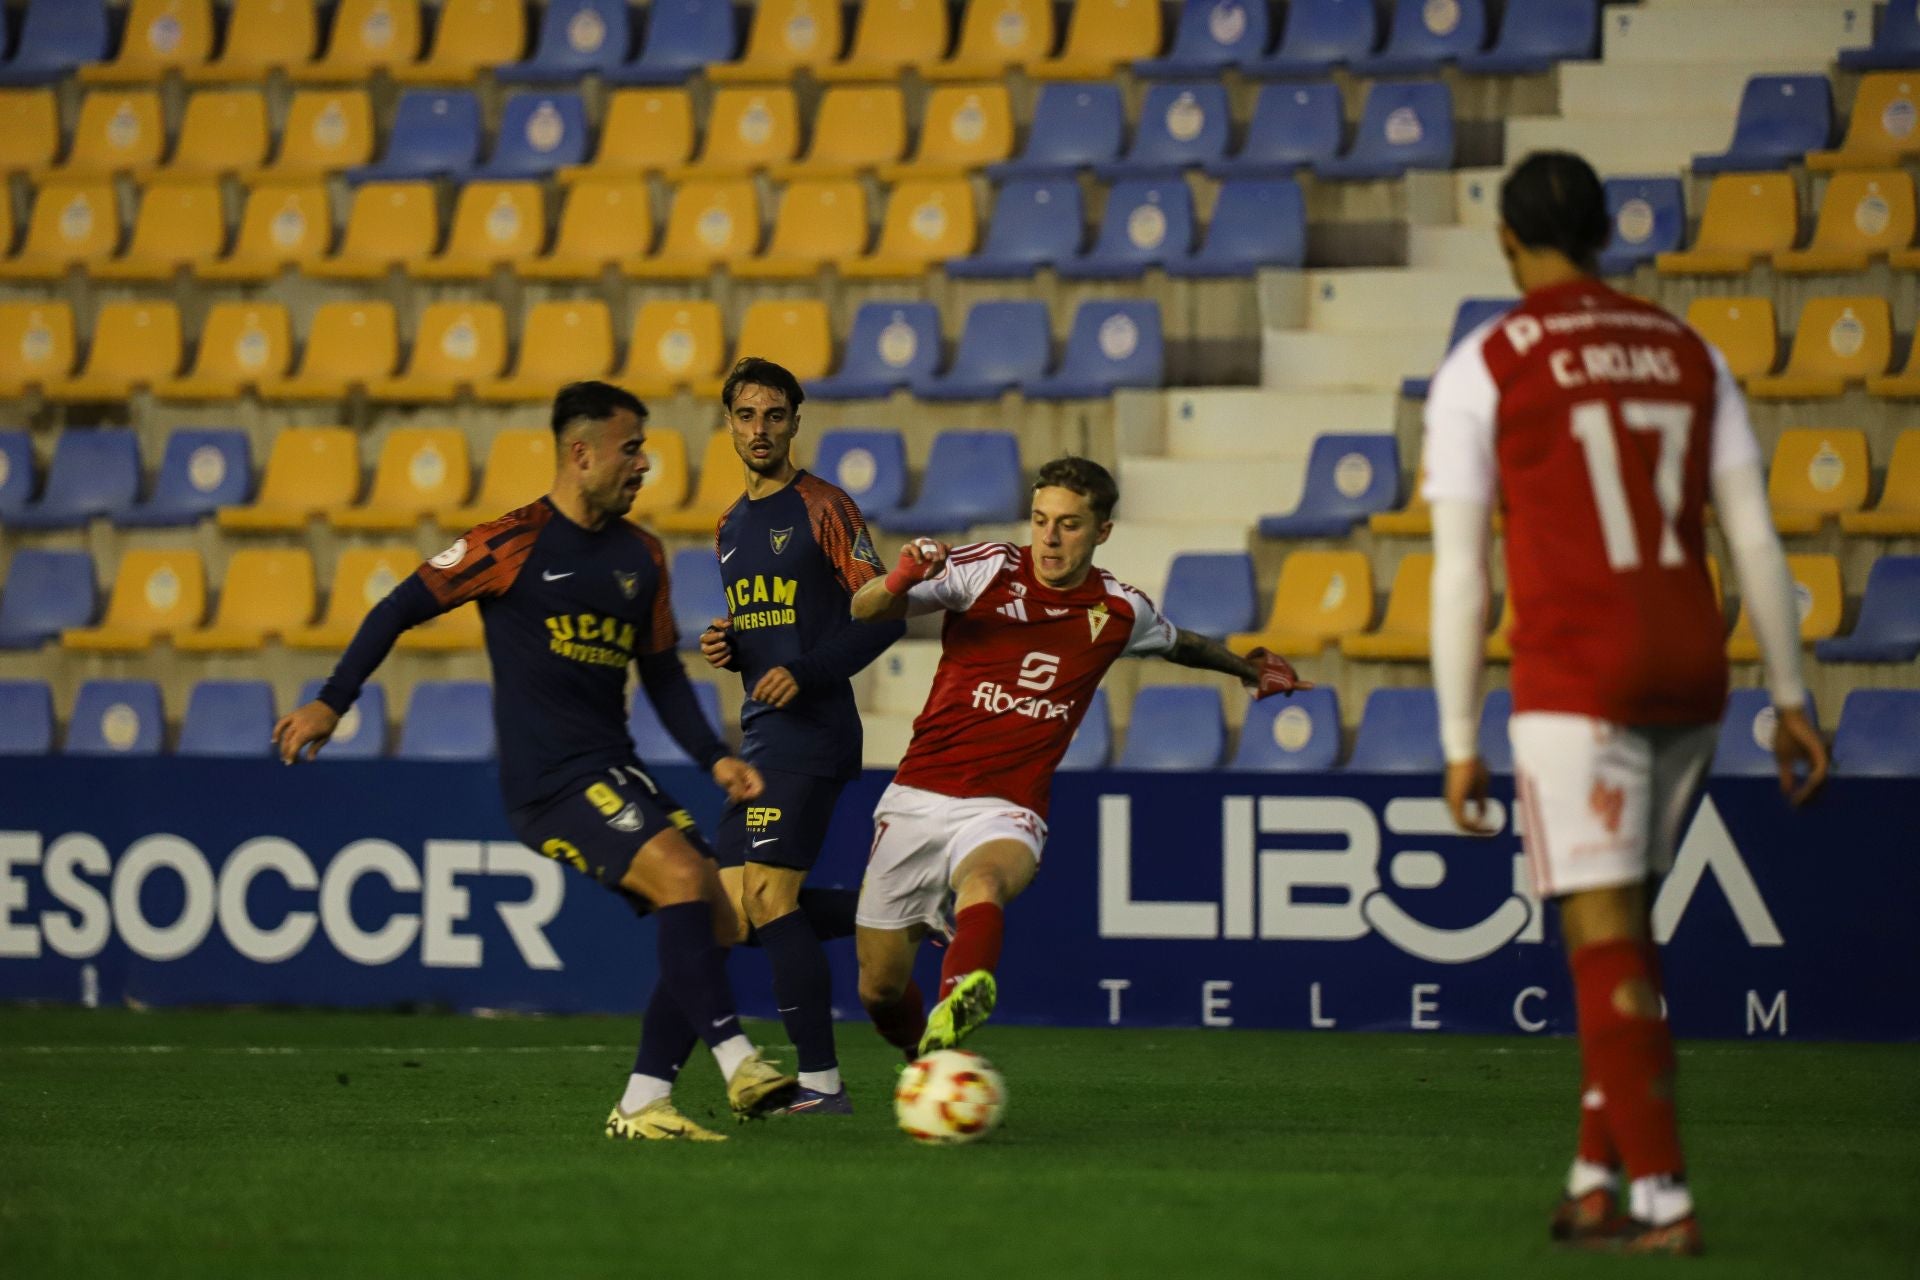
x: 1214, y: 1002
x: 1282, y: 871
x: 145, y: 856
x: 527, y: 921
x: 387, y: 943
x: 447, y: 902
x: 1759, y: 1019
x: 285, y: 859
x: 1426, y: 817
x: 1520, y: 1018
x: 83, y: 929
x: 1710, y: 844
x: 1120, y: 915
x: 1423, y: 1005
x: 1314, y: 1016
x: 1113, y: 987
x: 17, y: 848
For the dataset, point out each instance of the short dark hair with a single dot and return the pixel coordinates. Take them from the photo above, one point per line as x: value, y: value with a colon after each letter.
x: 1554, y: 200
x: 1085, y: 477
x: 753, y: 371
x: 597, y: 401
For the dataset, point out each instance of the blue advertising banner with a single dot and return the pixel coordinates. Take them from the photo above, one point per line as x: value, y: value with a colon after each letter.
x: 1214, y: 899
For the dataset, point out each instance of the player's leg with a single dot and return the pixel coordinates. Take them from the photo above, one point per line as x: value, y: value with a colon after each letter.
x: 994, y: 857
x: 901, y: 898
x: 887, y: 990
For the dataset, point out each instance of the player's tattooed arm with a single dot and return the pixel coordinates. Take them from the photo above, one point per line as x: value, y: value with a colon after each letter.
x: 1263, y: 672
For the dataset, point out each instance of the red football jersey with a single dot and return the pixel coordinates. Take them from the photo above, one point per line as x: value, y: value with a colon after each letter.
x: 1599, y: 419
x: 1019, y: 662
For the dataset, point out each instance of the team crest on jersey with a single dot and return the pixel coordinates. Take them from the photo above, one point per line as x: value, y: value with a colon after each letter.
x: 629, y: 583
x: 780, y: 538
x: 863, y: 550
x: 452, y: 556
x: 1097, y: 619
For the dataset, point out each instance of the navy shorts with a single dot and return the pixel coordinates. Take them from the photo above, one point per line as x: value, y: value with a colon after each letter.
x: 783, y: 826
x: 600, y: 822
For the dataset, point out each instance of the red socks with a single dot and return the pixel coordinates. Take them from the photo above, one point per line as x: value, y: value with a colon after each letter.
x: 1629, y: 1058
x: 1596, y: 1141
x: 975, y: 945
x: 902, y: 1023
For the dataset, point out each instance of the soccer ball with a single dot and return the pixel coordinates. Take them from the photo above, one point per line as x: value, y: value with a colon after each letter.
x: 949, y: 1096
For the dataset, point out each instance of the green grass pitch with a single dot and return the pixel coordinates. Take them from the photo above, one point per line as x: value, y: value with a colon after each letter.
x: 255, y: 1144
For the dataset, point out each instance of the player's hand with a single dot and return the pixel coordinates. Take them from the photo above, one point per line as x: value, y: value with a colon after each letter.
x: 740, y: 780
x: 1796, y: 742
x: 1467, y: 796
x: 1273, y: 674
x: 920, y: 559
x: 776, y: 688
x: 715, y: 645
x: 305, y: 729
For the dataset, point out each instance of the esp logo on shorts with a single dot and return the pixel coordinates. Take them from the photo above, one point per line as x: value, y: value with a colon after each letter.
x: 760, y: 817
x: 1038, y: 671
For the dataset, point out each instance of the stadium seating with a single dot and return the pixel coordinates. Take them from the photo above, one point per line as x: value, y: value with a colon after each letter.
x: 119, y: 131
x: 1256, y: 223
x: 1744, y: 748
x: 1404, y: 125
x: 362, y: 578
x: 890, y: 345
x: 973, y: 477
x: 1781, y: 119
x: 794, y: 333
x: 282, y: 226
x: 560, y: 342
x: 889, y: 37
x: 115, y: 718
x: 1818, y: 596
x: 228, y: 718
x: 1880, y: 131
x: 1424, y: 36
x: 927, y: 220
x: 698, y: 596
x: 748, y: 129
x: 72, y: 224
x: 45, y: 593
x: 870, y: 465
x: 135, y: 344
x: 36, y: 345
x: 435, y: 134
x: 327, y: 130
x: 458, y: 346
x: 674, y: 344
x: 1649, y: 218
x: 1146, y: 224
x: 241, y: 345
x: 1904, y: 385
x: 1468, y: 316
x: 1865, y: 214
x: 56, y: 37
x: 821, y: 220
x: 785, y: 36
x: 668, y: 476
x: 651, y: 741
x: 1840, y: 341
x: 1002, y: 345
x: 1111, y: 345
x: 362, y: 731
x: 1399, y: 733
x: 1181, y: 126
x: 711, y: 222
x: 29, y: 130
x: 448, y: 720
x: 366, y: 36
x: 1349, y: 477
x: 1319, y: 597
x: 1211, y: 593
x: 468, y: 35
x: 263, y: 37
x: 177, y: 226
x: 995, y: 37
x: 1209, y: 37
x: 310, y: 471
x: 1102, y: 37
x: 18, y: 472
x: 95, y: 473
x: 1742, y: 329
x: 1898, y: 511
x: 1403, y: 631
x: 1878, y: 735
x: 518, y: 471
x: 1294, y: 127
x: 718, y: 488
x: 604, y: 222
x: 200, y: 472
x: 1896, y: 42
x: 1299, y: 733
x: 856, y: 128
x: 682, y: 40
x: 223, y: 132
x: 1092, y: 743
x: 642, y: 131
x: 1816, y: 474
x: 421, y: 470
x: 388, y: 225
x: 1035, y: 223
x: 1492, y: 739
x: 155, y: 593
x: 1535, y: 35
x: 1175, y: 727
x: 267, y: 593
x: 496, y: 225
x: 26, y: 718
x: 1747, y: 216
x: 577, y: 38
x: 965, y: 128
x: 1075, y: 126
x: 1317, y: 36
x: 1888, y: 627
x: 540, y: 133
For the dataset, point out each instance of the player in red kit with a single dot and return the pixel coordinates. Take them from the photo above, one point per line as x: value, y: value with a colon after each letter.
x: 1027, y: 636
x: 1602, y: 426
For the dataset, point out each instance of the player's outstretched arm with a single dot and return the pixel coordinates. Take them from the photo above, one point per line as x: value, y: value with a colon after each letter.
x: 885, y: 599
x: 1263, y: 673
x: 308, y: 728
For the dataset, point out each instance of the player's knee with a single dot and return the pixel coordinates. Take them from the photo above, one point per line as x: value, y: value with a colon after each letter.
x: 666, y: 875
x: 767, y: 898
x: 881, y: 990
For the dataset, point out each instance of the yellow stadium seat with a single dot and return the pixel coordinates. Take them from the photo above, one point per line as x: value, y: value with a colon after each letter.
x: 118, y: 132
x: 1319, y: 597
x: 1742, y: 328
x: 674, y: 345
x: 223, y: 131
x: 1898, y: 513
x: 928, y: 221
x: 367, y: 36
x: 1102, y: 37
x: 856, y: 129
x: 644, y: 131
x: 349, y: 345
x: 36, y: 345
x: 1748, y: 216
x: 363, y: 578
x: 281, y: 227
x: 1404, y: 627
x: 820, y: 220
x: 605, y: 222
x: 1817, y: 595
x: 495, y: 225
x: 458, y: 344
x: 72, y: 224
x: 560, y: 342
x: 996, y: 35
x: 161, y: 36
x: 719, y: 487
x: 389, y: 225
x: 793, y: 332
x: 263, y: 36
x: 1839, y: 341
x: 155, y: 593
x: 29, y: 130
x: 267, y: 594
x: 310, y: 472
x: 1904, y: 385
x: 178, y: 225
x: 1864, y: 215
x: 519, y: 469
x: 1816, y: 473
x: 711, y: 223
x: 327, y: 130
x: 450, y: 632
x: 1880, y: 130
x: 747, y: 129
x: 241, y: 343
x: 1415, y: 520
x: 668, y: 477
x: 470, y: 36
x: 135, y: 344
x: 785, y: 36
x: 421, y: 470
x: 967, y: 127
x: 891, y: 36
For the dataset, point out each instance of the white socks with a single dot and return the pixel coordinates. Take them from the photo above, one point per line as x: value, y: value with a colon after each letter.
x: 730, y: 1053
x: 643, y: 1091
x: 1661, y: 1200
x: 1586, y: 1176
x: 827, y: 1081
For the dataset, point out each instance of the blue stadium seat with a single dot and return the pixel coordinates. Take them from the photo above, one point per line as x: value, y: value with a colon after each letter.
x: 1425, y: 35
x: 56, y: 37
x: 1002, y: 345
x: 26, y: 718
x: 16, y: 472
x: 1319, y: 35
x: 870, y: 465
x: 1076, y: 124
x: 1399, y: 733
x: 683, y: 36
x: 435, y: 133
x: 45, y: 593
x: 448, y: 720
x: 1888, y: 629
x: 1092, y: 744
x: 362, y: 732
x: 1211, y: 593
x: 95, y: 472
x: 1496, y: 748
x: 1294, y: 126
x: 1896, y: 45
x: 1781, y: 119
x: 1035, y: 223
x: 1649, y: 217
x: 1113, y: 344
x: 116, y: 718
x: 1182, y: 126
x: 1349, y: 477
x: 1468, y: 316
x: 577, y: 38
x: 1211, y: 36
x: 1406, y: 125
x: 1175, y: 726
x: 1744, y: 748
x: 1147, y: 224
x: 539, y: 133
x: 1537, y: 34
x: 228, y: 718
x: 651, y: 741
x: 699, y: 596
x: 1257, y: 222
x: 1879, y: 734
x: 973, y: 477
x: 1296, y: 734
x: 201, y: 470
x: 891, y: 344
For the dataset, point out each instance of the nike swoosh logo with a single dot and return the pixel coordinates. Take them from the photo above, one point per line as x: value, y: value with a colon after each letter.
x: 768, y: 840
x: 729, y: 555
x: 549, y: 575
x: 721, y: 1022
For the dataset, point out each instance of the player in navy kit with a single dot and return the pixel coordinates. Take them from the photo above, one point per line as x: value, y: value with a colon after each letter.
x: 570, y: 595
x: 793, y: 550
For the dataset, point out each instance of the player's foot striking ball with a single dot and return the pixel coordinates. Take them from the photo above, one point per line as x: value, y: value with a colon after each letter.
x: 965, y: 1010
x: 658, y: 1121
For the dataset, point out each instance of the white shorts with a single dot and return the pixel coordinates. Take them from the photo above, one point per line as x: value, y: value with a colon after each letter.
x: 919, y: 838
x: 1603, y: 802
